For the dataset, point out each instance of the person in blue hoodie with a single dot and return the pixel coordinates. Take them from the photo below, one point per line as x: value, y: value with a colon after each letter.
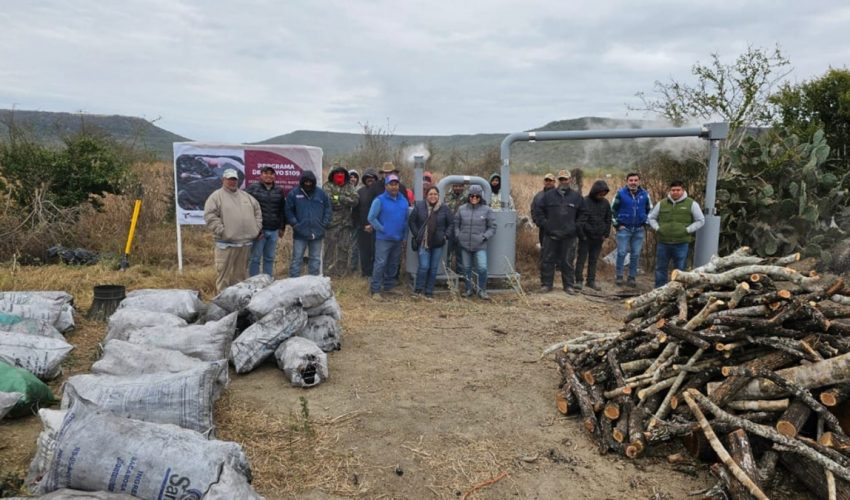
x: 388, y: 218
x: 308, y: 211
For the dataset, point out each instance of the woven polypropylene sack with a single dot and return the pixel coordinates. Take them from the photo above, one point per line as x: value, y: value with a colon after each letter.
x: 303, y: 362
x: 259, y: 341
x: 41, y: 356
x: 209, y: 342
x: 324, y: 331
x: 236, y: 297
x: 8, y: 400
x: 69, y: 494
x: 51, y: 422
x: 183, y: 398
x: 19, y: 324
x: 36, y: 392
x: 306, y: 291
x: 124, y: 358
x: 329, y: 307
x: 99, y: 451
x: 214, y: 313
x: 60, y: 314
x: 123, y: 321
x: 184, y: 303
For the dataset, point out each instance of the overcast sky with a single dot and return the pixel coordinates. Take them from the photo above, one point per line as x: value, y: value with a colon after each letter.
x: 249, y: 70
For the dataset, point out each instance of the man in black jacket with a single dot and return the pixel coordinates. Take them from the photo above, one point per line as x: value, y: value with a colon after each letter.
x: 594, y: 227
x: 365, y: 235
x: 272, y: 201
x: 559, y: 214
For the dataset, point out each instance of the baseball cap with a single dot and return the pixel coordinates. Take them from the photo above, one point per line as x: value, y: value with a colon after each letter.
x: 391, y: 178
x: 564, y: 174
x: 548, y: 177
x: 230, y: 173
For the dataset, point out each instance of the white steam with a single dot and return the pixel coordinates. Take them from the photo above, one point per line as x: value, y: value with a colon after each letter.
x: 409, y: 152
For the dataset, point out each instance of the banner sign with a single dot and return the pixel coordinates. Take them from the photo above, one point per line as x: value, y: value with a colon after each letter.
x: 198, y: 168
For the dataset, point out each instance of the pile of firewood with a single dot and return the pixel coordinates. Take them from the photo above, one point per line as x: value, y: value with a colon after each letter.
x: 743, y: 347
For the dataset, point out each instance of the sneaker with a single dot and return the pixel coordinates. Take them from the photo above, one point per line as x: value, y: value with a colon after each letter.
x: 483, y: 295
x: 593, y: 286
x: 545, y: 289
x: 619, y: 281
x: 631, y: 283
x: 570, y: 290
x: 429, y: 297
x: 376, y: 296
x: 468, y: 292
x: 392, y: 292
x: 416, y: 295
x: 578, y: 286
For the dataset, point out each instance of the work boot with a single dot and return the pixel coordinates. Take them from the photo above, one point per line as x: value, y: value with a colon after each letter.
x: 618, y: 281
x: 631, y: 283
x: 545, y: 289
x: 570, y: 290
x: 482, y: 294
x: 578, y: 286
x: 593, y: 286
x: 468, y: 293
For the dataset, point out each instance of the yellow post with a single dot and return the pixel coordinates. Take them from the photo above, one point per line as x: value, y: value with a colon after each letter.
x: 125, y: 260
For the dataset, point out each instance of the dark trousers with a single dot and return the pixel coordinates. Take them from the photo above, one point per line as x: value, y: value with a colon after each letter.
x: 453, y: 257
x: 558, y: 252
x: 588, y: 251
x: 366, y: 245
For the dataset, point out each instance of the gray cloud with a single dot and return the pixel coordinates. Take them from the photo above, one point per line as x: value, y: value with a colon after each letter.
x: 221, y: 71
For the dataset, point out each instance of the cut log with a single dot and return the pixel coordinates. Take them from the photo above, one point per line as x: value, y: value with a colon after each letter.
x: 741, y: 291
x: 727, y: 278
x: 793, y: 419
x: 582, y: 396
x: 742, y: 454
x: 759, y: 405
x: 835, y: 395
x: 637, y: 426
x: 827, y: 372
x: 621, y: 429
x: 665, y: 293
x: 565, y: 401
x: 835, y: 441
x: 811, y: 475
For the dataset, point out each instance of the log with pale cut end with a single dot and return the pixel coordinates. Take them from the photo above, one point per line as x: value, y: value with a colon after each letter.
x: 637, y: 441
x: 727, y: 278
x: 701, y: 317
x: 788, y: 259
x: 827, y: 372
x: 661, y: 294
x: 741, y: 290
x: 835, y: 395
x: 835, y: 441
x: 565, y: 401
x: 793, y: 419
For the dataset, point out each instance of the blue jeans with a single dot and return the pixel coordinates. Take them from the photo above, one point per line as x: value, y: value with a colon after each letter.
x: 385, y: 268
x: 314, y: 261
x: 426, y: 274
x: 677, y: 252
x: 265, y: 249
x: 629, y: 240
x: 480, y: 268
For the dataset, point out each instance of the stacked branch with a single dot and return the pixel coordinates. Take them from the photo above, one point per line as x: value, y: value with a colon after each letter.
x: 740, y: 347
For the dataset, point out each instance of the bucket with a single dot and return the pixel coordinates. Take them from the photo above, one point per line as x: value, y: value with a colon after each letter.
x: 106, y: 300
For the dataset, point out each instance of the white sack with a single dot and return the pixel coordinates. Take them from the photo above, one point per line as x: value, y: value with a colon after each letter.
x: 306, y: 291
x: 329, y: 307
x: 124, y: 358
x: 259, y: 340
x: 324, y: 331
x: 232, y: 485
x: 64, y: 303
x: 51, y: 421
x: 99, y: 451
x: 125, y: 320
x: 209, y: 342
x: 184, y: 303
x: 214, y: 313
x: 19, y: 324
x: 236, y: 297
x: 304, y: 364
x: 184, y: 398
x: 8, y: 400
x: 69, y: 494
x: 41, y: 356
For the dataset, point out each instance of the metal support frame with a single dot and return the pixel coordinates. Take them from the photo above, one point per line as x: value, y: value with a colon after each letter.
x: 709, y: 236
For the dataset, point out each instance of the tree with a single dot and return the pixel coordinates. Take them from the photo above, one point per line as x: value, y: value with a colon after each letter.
x: 820, y: 104
x: 736, y: 93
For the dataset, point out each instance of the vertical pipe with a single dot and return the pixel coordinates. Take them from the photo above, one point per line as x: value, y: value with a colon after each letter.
x: 711, y: 181
x: 708, y: 238
x: 418, y: 172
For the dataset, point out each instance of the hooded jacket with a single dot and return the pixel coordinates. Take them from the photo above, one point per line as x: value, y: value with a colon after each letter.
x: 343, y: 199
x: 360, y: 213
x: 271, y: 203
x: 596, y: 223
x: 495, y: 196
x: 474, y: 224
x: 308, y: 213
x: 560, y: 212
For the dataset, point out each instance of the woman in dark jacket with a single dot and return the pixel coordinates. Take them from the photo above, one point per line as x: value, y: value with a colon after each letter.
x: 430, y: 224
x: 594, y: 227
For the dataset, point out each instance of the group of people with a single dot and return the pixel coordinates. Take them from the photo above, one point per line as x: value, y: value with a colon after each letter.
x: 366, y: 221
x: 573, y: 229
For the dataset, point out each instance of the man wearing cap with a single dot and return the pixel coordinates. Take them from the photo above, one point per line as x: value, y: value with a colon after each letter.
x: 271, y: 200
x: 236, y: 220
x: 388, y: 217
x: 559, y: 213
x: 548, y: 183
x: 308, y: 211
x: 339, y: 238
x: 360, y: 214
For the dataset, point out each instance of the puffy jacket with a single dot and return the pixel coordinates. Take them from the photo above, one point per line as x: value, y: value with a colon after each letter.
x: 308, y: 214
x: 444, y: 223
x: 596, y: 223
x: 388, y: 216
x: 360, y: 213
x: 559, y: 213
x: 535, y: 202
x: 474, y: 225
x: 631, y: 210
x: 272, y: 201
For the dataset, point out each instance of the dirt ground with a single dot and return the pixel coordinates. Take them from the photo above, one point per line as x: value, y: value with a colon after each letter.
x: 426, y: 399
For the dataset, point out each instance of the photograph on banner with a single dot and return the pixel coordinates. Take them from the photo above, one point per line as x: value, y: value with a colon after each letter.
x: 198, y: 169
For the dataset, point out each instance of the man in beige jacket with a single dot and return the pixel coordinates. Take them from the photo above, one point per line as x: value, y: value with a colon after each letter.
x: 235, y: 219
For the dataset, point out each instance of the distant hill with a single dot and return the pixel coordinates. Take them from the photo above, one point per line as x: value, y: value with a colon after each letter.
x: 51, y: 128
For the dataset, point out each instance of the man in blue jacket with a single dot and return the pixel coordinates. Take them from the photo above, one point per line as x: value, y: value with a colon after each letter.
x: 388, y: 218
x: 308, y: 211
x: 630, y: 206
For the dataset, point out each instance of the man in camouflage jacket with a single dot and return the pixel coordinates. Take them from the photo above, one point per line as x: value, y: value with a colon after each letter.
x: 339, y: 241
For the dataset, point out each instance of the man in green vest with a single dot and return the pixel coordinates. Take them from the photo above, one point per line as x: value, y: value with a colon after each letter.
x: 675, y: 219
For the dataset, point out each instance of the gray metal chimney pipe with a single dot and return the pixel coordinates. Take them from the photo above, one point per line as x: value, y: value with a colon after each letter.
x: 464, y: 179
